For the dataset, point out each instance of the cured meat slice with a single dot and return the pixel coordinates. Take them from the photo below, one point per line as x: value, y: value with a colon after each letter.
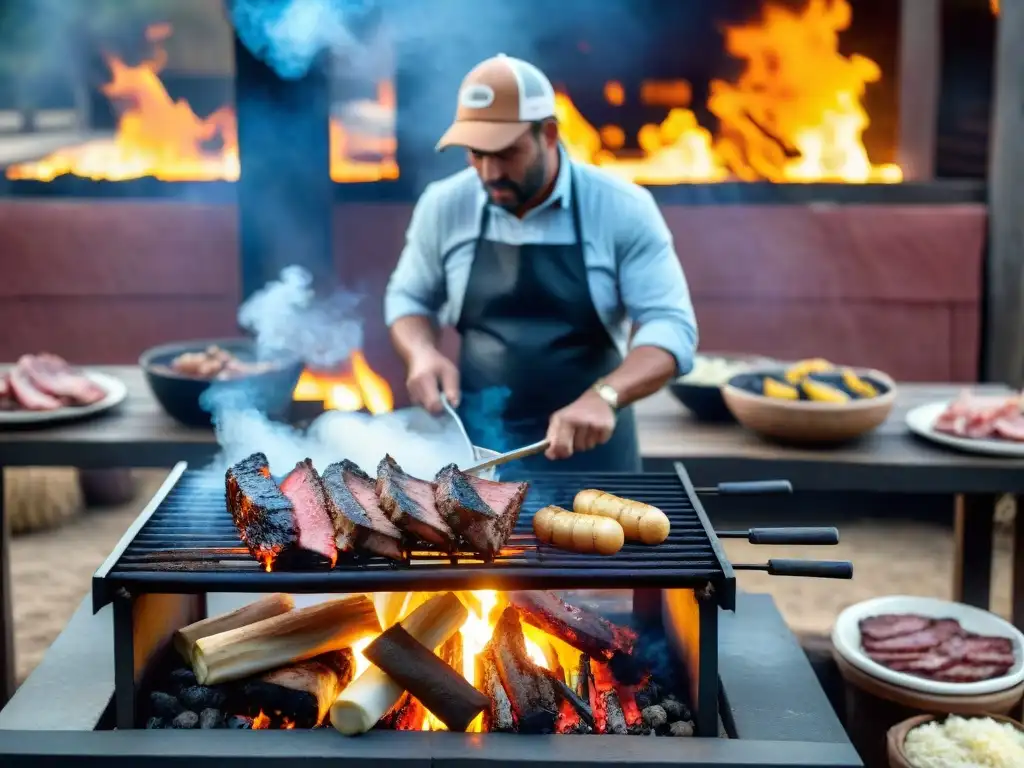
x: 409, y: 504
x: 925, y: 665
x: 969, y: 673
x: 891, y: 625
x: 360, y: 524
x: 923, y: 640
x: 55, y: 376
x: 483, y: 512
x: 304, y: 490
x: 28, y: 394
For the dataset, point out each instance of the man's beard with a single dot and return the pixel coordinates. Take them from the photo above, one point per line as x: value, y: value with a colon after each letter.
x: 526, y: 190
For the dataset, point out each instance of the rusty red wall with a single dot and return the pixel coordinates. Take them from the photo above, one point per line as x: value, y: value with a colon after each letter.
x: 896, y: 287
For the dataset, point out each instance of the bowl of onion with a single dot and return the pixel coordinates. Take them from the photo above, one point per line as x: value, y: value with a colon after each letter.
x: 700, y: 390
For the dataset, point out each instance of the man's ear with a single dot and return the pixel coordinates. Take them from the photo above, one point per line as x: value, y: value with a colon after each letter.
x: 549, y: 130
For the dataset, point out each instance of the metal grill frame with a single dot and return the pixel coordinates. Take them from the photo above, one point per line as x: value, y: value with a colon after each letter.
x: 552, y: 568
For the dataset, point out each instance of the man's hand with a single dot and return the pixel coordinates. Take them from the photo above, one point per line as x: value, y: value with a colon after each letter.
x: 431, y: 373
x: 582, y: 425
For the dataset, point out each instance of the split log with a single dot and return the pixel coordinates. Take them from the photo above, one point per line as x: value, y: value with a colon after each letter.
x: 443, y: 691
x: 391, y: 606
x: 452, y: 652
x: 531, y: 691
x: 265, y: 608
x: 498, y: 717
x: 302, y: 693
x: 554, y: 663
x: 586, y: 685
x: 614, y: 717
x: 577, y: 702
x: 373, y: 693
x: 286, y: 639
x: 585, y: 631
x: 407, y: 715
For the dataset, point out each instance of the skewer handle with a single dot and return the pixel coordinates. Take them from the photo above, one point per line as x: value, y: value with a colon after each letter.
x: 825, y: 536
x: 752, y: 488
x: 815, y: 569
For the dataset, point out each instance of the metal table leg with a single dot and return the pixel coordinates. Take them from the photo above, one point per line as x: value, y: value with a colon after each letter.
x: 7, y: 675
x: 972, y: 566
x: 1017, y: 587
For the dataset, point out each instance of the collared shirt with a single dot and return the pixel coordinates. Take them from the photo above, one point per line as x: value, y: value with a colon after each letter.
x: 634, y: 275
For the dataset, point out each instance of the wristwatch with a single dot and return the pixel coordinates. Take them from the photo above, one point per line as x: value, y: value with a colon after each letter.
x: 607, y: 393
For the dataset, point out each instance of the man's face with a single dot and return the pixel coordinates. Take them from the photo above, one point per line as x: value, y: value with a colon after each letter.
x: 514, y: 175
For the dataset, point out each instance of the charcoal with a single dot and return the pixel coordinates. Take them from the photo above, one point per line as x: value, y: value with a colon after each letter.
x: 164, y: 705
x: 186, y: 719
x: 200, y: 697
x: 639, y: 729
x: 654, y: 716
x: 675, y: 709
x: 579, y: 729
x: 210, y: 718
x: 681, y: 728
x: 182, y: 678
x: 239, y: 723
x: 155, y: 723
x: 647, y: 696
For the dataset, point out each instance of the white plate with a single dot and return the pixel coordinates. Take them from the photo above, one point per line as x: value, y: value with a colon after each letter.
x: 921, y: 421
x: 115, y: 389
x: 846, y: 639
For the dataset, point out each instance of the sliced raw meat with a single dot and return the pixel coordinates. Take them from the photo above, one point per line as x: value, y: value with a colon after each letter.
x: 968, y: 673
x: 983, y: 417
x: 937, y: 632
x: 483, y: 512
x: 891, y: 625
x: 409, y: 504
x: 1010, y: 428
x: 55, y: 376
x: 360, y: 523
x: 28, y: 394
x: 986, y: 658
x: 304, y: 490
x: 924, y: 666
x: 885, y: 657
x: 263, y: 515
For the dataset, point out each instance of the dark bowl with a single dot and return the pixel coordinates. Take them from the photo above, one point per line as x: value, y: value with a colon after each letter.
x: 705, y: 401
x: 268, y: 391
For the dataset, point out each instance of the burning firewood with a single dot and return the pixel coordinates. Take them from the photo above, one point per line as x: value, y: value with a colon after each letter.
x: 498, y: 717
x: 265, y: 608
x: 442, y: 690
x: 585, y: 631
x: 373, y: 693
x: 614, y: 718
x: 302, y: 693
x: 291, y: 637
x: 554, y: 663
x: 451, y: 652
x: 408, y: 714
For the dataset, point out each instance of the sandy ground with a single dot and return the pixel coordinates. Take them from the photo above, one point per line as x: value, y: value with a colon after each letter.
x: 52, y: 571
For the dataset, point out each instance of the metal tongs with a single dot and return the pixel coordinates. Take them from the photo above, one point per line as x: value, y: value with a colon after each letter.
x: 494, y: 461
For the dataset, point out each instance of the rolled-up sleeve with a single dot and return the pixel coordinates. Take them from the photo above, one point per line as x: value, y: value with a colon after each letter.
x: 653, y: 286
x: 417, y: 285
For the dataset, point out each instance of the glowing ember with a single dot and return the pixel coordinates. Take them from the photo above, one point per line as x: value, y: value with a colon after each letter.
x: 261, y: 722
x: 352, y: 390
x: 164, y: 139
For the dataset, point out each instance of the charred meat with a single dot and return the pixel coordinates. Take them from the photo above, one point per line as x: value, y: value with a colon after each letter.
x: 483, y: 512
x: 409, y: 504
x: 360, y: 524
x: 304, y: 490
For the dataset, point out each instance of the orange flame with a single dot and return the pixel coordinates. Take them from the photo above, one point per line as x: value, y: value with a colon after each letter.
x: 165, y: 139
x: 361, y: 387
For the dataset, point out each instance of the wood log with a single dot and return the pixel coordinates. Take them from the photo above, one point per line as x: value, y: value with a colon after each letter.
x: 286, y: 639
x: 531, y: 691
x: 442, y: 690
x: 577, y: 702
x: 373, y: 693
x: 586, y: 685
x: 391, y: 606
x: 614, y: 717
x: 408, y: 714
x: 498, y: 716
x: 451, y: 652
x: 585, y: 631
x: 302, y: 693
x: 554, y: 663
x: 265, y: 608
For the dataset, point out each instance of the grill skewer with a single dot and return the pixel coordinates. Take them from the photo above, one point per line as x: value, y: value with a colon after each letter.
x: 813, y: 569
x: 820, y: 536
x: 752, y: 488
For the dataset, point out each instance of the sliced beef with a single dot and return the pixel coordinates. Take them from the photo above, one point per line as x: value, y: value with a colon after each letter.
x: 28, y: 395
x: 483, y: 512
x: 304, y: 490
x: 937, y: 632
x: 360, y: 523
x: 968, y: 673
x: 56, y: 377
x: 924, y: 665
x: 891, y: 625
x: 409, y: 504
x: 263, y: 515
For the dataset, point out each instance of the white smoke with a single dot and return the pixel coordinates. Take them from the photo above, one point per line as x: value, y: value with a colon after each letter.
x: 287, y: 318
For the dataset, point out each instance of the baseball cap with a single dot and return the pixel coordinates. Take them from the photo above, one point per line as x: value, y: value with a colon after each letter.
x: 498, y: 100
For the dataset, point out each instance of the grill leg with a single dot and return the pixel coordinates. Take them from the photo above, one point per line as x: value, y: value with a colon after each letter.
x: 707, y: 681
x: 7, y: 667
x: 124, y: 660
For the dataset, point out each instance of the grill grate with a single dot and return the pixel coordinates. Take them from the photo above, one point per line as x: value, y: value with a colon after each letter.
x: 186, y: 542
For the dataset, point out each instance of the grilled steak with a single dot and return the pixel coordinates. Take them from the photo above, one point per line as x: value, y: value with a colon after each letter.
x: 360, y: 524
x: 304, y: 490
x: 483, y: 512
x: 409, y: 504
x: 263, y: 515
x: 56, y: 377
x: 28, y: 395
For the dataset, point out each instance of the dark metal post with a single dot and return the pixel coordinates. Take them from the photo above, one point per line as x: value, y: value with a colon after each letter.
x: 706, y: 703
x: 285, y: 192
x: 7, y: 665
x: 124, y: 660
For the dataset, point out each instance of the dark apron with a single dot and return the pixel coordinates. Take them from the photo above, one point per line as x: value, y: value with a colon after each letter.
x: 532, y: 342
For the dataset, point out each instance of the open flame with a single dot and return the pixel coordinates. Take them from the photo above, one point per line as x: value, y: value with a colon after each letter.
x: 165, y: 139
x: 353, y: 389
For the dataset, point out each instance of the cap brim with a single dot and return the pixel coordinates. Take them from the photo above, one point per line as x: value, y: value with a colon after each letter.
x: 481, y: 135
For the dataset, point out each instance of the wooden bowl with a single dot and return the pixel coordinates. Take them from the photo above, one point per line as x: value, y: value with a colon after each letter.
x: 808, y: 421
x: 897, y: 736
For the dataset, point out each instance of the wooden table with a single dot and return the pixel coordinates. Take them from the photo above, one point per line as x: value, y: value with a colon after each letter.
x: 140, y: 434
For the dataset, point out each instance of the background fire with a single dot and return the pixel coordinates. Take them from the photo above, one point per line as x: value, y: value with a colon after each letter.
x: 795, y: 113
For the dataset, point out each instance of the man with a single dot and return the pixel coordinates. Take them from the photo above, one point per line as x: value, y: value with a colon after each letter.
x: 545, y: 267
